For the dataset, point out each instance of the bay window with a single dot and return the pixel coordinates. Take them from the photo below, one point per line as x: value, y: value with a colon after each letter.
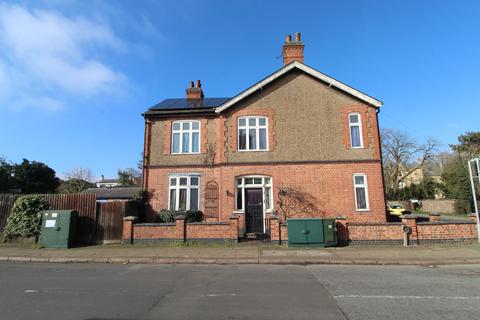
x: 183, y: 192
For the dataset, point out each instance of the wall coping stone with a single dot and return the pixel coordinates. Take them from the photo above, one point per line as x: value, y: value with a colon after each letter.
x: 130, y: 218
x: 180, y: 217
x: 374, y: 224
x: 209, y: 223
x: 154, y: 224
x: 446, y: 222
x: 435, y: 214
x: 341, y: 218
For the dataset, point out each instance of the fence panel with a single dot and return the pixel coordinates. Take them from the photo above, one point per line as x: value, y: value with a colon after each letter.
x: 84, y: 204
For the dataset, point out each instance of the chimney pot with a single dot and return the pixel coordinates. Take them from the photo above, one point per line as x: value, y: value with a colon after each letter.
x: 191, y: 84
x: 288, y: 38
x: 293, y: 50
x: 297, y: 37
x: 199, y: 84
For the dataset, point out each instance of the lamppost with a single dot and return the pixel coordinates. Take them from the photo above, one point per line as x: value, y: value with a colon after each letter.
x: 475, y: 175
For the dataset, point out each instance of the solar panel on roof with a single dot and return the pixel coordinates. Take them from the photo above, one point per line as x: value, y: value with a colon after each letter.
x: 174, y: 104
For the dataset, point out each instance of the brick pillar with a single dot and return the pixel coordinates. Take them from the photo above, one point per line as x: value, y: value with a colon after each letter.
x: 241, y: 224
x: 434, y: 216
x: 473, y: 217
x: 180, y: 228
x: 127, y: 232
x: 342, y: 231
x: 234, y: 228
x: 275, y: 235
x: 411, y: 222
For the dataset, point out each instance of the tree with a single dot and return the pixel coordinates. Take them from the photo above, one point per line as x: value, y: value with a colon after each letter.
x: 35, y: 177
x: 127, y: 176
x: 291, y: 201
x: 468, y: 145
x: 6, y: 179
x: 402, y: 156
x: 77, y: 180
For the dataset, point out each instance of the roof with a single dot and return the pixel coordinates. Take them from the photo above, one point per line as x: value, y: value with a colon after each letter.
x: 317, y: 74
x: 108, y: 181
x: 173, y: 106
x: 179, y: 104
x: 113, y: 193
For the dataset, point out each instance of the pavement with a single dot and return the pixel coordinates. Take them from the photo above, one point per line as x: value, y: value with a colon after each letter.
x: 147, y: 291
x: 246, y: 253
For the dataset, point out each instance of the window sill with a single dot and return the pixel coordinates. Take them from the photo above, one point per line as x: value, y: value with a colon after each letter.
x: 253, y: 150
x: 363, y: 210
x: 184, y: 154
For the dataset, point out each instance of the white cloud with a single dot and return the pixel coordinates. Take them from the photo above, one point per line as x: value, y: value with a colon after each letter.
x: 47, y: 57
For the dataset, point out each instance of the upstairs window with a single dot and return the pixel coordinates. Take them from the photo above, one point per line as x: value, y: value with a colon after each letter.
x: 355, y: 125
x: 185, y: 137
x: 361, y: 192
x: 183, y: 192
x: 252, y: 134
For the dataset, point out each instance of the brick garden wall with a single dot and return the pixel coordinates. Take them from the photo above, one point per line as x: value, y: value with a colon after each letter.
x: 179, y: 231
x: 434, y: 231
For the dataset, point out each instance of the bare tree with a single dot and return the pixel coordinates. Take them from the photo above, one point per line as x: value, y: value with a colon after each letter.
x: 80, y: 173
x: 402, y: 156
x: 76, y: 180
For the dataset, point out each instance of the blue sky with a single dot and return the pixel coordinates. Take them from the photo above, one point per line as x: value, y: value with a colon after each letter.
x: 76, y: 75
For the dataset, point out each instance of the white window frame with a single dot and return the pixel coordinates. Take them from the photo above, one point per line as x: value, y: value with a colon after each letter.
x: 263, y: 185
x: 190, y: 131
x: 365, y: 186
x: 359, y: 124
x: 247, y: 127
x: 177, y: 188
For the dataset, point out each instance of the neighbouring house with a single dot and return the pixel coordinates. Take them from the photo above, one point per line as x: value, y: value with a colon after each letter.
x: 113, y: 194
x: 297, y: 143
x: 107, y: 183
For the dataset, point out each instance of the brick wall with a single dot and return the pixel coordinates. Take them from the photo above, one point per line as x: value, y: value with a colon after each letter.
x: 439, y: 205
x: 329, y: 185
x: 179, y: 231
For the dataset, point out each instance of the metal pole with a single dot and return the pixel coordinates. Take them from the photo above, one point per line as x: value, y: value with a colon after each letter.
x: 475, y: 162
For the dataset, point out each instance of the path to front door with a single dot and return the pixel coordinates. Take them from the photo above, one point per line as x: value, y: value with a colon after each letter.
x: 254, y: 210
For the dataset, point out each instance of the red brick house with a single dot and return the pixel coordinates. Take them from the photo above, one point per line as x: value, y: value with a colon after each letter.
x: 296, y: 143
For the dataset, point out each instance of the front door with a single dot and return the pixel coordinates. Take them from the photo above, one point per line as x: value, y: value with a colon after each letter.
x: 254, y: 210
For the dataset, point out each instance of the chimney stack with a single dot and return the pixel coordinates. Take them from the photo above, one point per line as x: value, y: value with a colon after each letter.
x: 194, y: 92
x: 293, y: 50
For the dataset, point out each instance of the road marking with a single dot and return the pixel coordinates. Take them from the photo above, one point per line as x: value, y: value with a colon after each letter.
x: 406, y: 297
x: 31, y: 291
x: 219, y: 295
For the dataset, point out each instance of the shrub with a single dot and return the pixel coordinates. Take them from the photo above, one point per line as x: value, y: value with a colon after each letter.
x: 168, y: 216
x: 462, y: 207
x: 25, y: 220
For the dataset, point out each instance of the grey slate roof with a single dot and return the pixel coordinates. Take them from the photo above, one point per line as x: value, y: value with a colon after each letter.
x: 185, y: 104
x: 113, y: 193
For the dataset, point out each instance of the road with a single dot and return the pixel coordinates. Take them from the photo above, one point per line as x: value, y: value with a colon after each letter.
x: 109, y: 291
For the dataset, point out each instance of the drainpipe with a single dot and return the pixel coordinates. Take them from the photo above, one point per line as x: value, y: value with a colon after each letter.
x: 381, y: 159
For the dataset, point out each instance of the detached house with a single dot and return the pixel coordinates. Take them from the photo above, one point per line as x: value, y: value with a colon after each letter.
x: 296, y: 143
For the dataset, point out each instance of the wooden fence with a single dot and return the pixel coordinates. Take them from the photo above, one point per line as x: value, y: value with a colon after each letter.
x: 84, y: 204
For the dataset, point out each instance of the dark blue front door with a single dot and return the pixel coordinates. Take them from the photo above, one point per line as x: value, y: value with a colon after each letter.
x: 254, y: 210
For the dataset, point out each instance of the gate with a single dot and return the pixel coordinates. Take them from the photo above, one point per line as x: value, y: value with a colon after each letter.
x: 211, y: 200
x: 110, y: 220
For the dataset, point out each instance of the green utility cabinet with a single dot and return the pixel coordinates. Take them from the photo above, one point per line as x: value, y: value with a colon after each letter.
x: 58, y: 228
x: 311, y: 232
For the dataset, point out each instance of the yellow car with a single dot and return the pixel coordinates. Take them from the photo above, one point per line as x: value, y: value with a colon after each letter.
x: 396, y: 210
